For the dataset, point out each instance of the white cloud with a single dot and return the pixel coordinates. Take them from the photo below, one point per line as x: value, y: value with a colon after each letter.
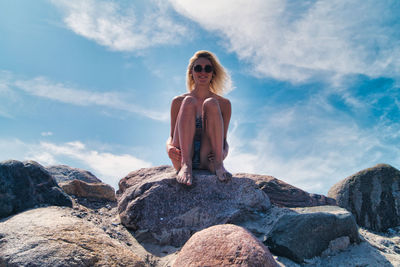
x: 42, y: 87
x: 299, y: 40
x: 108, y: 167
x: 121, y: 27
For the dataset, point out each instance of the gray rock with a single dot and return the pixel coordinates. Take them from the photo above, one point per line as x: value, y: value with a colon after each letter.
x: 63, y: 173
x: 224, y: 245
x: 307, y: 232
x: 24, y: 185
x: 283, y: 194
x: 372, y: 195
x: 51, y: 236
x: 162, y: 211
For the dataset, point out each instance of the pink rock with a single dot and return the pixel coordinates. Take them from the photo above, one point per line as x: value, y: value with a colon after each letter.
x: 88, y: 190
x: 224, y: 245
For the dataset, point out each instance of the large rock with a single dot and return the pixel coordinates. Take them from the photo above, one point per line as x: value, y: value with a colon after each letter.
x: 24, y: 185
x: 307, y: 232
x: 80, y: 188
x: 372, y: 195
x: 162, y: 211
x: 224, y: 245
x: 51, y: 236
x: 63, y: 173
x: 285, y: 195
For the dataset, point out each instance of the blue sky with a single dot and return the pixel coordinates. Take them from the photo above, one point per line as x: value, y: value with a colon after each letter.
x: 315, y: 84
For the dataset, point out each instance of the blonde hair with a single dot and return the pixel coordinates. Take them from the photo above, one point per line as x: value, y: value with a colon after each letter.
x: 221, y: 81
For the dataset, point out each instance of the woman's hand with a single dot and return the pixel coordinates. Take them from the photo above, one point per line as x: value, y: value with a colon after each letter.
x: 210, y: 156
x: 174, y: 153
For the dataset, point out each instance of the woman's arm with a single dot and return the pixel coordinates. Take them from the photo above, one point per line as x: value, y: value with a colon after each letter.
x: 226, y: 109
x: 225, y: 149
x: 173, y: 151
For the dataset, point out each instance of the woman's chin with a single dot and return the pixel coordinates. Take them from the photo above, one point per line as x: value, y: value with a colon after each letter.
x: 203, y: 81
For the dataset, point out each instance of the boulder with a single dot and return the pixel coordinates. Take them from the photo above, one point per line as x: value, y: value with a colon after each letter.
x: 224, y: 245
x: 285, y: 195
x: 307, y: 232
x: 372, y: 195
x: 80, y: 188
x: 24, y: 185
x: 63, y: 173
x: 161, y: 211
x: 51, y: 236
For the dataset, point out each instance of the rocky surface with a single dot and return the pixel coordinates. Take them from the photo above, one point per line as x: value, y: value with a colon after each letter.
x: 162, y: 211
x: 285, y: 195
x: 52, y: 236
x: 64, y: 173
x: 372, y: 195
x: 306, y: 232
x: 88, y: 190
x: 224, y: 245
x: 24, y: 185
x: 375, y: 249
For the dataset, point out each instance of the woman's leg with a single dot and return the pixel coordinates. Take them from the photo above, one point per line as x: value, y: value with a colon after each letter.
x: 183, y: 139
x: 214, y: 130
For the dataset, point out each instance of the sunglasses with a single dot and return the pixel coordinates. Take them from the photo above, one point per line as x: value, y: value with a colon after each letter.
x: 199, y: 68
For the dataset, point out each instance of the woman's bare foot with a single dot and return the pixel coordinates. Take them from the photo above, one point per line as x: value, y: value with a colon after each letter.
x: 185, y: 175
x: 222, y: 174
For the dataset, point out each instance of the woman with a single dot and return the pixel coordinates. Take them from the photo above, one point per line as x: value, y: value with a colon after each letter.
x: 200, y: 120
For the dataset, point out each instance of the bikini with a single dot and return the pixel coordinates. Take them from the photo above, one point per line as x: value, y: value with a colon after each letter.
x: 197, y: 143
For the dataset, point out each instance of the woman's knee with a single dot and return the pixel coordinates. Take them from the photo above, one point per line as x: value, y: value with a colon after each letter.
x: 189, y: 102
x: 211, y: 105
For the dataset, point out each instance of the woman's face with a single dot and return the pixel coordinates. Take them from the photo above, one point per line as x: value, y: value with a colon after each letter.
x: 203, y: 77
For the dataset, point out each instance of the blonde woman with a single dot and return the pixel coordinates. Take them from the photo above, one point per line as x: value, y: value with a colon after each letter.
x: 200, y: 120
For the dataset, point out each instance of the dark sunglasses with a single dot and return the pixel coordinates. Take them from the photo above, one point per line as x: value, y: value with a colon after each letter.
x: 199, y: 68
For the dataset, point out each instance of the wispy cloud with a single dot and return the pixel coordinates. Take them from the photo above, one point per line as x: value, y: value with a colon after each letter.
x: 6, y: 94
x: 46, y: 134
x: 311, y: 147
x: 43, y: 87
x: 107, y: 166
x: 299, y: 40
x: 122, y: 27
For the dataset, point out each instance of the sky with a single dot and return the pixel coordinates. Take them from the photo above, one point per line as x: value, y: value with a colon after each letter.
x: 315, y: 84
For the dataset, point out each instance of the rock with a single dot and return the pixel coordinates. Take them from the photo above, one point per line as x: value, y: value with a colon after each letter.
x: 51, y: 236
x: 307, y: 232
x: 64, y: 173
x: 372, y: 195
x: 162, y: 211
x: 88, y: 190
x: 24, y: 185
x: 224, y: 245
x: 337, y: 245
x: 285, y: 195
